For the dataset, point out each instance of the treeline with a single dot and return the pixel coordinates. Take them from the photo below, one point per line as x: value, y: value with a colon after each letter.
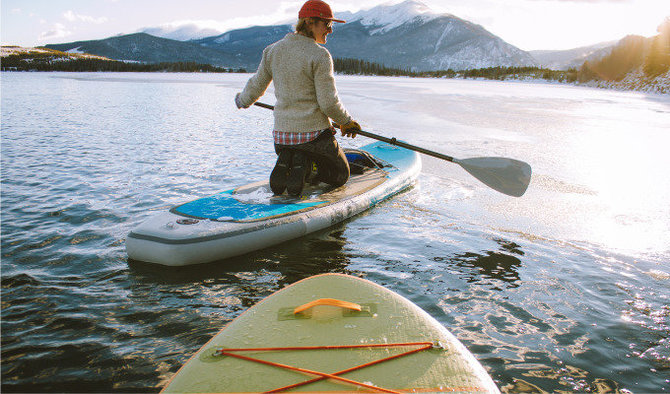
x: 362, y: 67
x: 41, y: 61
x: 49, y: 62
x: 504, y: 73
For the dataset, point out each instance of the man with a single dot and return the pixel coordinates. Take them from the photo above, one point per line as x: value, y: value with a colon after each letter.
x: 302, y: 71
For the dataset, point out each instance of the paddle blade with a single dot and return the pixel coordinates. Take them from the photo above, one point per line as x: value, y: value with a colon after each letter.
x: 505, y: 175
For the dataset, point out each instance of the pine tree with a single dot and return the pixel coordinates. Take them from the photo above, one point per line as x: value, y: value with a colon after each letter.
x: 658, y: 60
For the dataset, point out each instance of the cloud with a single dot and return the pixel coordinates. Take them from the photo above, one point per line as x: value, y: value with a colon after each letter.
x: 186, y: 30
x: 58, y: 31
x: 72, y: 17
x: 190, y: 29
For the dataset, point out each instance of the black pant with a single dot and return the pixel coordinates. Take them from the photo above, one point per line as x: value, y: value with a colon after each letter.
x: 329, y: 157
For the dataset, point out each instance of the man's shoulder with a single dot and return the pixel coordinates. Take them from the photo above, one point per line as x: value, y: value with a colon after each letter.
x: 278, y: 44
x: 317, y: 51
x: 300, y: 44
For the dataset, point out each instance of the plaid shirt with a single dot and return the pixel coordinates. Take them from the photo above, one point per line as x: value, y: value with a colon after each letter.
x: 287, y: 138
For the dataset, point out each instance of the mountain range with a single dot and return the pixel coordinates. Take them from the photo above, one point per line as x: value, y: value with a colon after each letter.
x: 143, y: 47
x: 572, y: 58
x: 407, y: 35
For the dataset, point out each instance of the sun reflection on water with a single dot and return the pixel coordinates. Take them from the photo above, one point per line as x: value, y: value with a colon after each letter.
x: 625, y: 168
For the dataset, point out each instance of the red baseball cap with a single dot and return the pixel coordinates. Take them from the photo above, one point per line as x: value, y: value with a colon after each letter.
x: 317, y: 9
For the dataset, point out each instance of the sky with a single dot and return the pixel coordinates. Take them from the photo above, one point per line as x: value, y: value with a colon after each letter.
x: 527, y: 24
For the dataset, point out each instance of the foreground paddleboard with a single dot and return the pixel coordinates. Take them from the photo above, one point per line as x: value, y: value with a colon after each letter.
x: 249, y: 218
x: 340, y: 334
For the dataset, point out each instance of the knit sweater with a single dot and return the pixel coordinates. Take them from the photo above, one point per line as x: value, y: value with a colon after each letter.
x: 302, y: 72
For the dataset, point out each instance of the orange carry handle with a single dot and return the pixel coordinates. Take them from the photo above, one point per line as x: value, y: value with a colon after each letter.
x: 330, y: 302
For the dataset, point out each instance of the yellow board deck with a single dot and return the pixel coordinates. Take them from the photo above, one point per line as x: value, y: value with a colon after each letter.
x: 333, y: 310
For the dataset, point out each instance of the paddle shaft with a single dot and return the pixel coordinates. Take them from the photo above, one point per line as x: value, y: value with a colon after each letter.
x: 508, y: 176
x: 391, y: 141
x: 405, y: 145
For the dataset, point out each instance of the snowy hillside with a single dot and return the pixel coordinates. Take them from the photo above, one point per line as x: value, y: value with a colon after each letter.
x: 386, y: 17
x: 637, y: 80
x: 8, y: 50
x: 411, y: 35
x: 572, y: 58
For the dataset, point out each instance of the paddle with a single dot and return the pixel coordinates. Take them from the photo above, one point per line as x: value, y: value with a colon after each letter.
x: 508, y: 176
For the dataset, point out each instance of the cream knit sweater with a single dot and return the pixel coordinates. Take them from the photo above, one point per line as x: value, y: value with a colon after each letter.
x: 304, y: 83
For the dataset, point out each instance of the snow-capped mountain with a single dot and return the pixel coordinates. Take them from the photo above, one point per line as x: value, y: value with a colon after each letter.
x: 410, y: 35
x: 573, y: 58
x: 406, y: 35
x: 386, y: 17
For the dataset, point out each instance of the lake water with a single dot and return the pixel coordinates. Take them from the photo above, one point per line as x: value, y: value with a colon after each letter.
x: 564, y: 289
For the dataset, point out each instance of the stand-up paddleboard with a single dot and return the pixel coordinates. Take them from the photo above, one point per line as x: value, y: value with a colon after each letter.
x: 249, y: 218
x: 333, y: 333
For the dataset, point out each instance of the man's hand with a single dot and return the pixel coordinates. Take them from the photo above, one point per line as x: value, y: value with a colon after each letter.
x: 349, y: 129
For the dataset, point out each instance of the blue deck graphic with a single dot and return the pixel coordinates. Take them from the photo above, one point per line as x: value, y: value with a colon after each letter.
x: 224, y: 207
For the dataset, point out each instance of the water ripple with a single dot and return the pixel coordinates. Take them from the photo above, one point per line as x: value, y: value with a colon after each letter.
x: 542, y: 311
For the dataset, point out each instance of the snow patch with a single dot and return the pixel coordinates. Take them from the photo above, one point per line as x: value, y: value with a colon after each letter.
x: 223, y: 39
x: 445, y: 33
x: 389, y: 16
x: 76, y: 50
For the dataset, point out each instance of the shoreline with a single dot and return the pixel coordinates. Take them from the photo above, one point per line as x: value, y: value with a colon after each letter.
x: 21, y: 59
